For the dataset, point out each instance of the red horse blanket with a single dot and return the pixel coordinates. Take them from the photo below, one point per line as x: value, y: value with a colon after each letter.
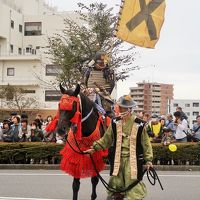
x: 78, y: 165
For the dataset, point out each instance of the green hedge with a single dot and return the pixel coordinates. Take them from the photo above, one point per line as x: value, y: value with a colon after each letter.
x: 186, y: 152
x: 15, y: 153
x: 24, y: 153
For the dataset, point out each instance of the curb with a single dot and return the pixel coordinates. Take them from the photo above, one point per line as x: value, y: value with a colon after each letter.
x: 57, y: 167
x: 177, y: 167
x: 30, y: 166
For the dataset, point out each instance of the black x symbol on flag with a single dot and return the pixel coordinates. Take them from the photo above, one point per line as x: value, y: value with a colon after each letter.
x: 145, y: 15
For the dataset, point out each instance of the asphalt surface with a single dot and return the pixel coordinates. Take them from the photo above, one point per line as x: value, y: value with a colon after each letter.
x: 55, y: 185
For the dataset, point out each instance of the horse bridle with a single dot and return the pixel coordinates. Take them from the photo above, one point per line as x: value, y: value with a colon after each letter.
x: 67, y: 104
x: 151, y: 173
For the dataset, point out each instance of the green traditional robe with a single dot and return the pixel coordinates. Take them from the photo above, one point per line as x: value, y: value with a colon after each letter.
x: 123, y: 179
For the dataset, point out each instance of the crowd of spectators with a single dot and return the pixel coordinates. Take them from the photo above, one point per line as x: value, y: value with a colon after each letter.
x: 18, y: 129
x: 171, y: 128
x: 164, y: 129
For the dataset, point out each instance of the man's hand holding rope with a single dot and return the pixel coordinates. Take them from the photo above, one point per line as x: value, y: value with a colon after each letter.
x: 90, y: 151
x: 148, y: 165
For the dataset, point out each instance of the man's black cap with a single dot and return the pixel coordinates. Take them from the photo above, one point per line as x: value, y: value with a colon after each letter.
x: 6, y: 121
x: 24, y: 116
x: 177, y: 114
x: 166, y: 129
x: 13, y: 114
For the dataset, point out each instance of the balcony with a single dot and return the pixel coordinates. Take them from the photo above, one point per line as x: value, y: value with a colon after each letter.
x: 20, y: 57
x: 155, y: 93
x: 137, y: 92
x: 140, y: 86
x: 21, y: 82
x: 156, y: 105
x: 141, y: 104
x: 137, y: 98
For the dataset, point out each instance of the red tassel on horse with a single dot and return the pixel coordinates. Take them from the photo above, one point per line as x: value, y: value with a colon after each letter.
x: 77, y: 120
x: 51, y: 127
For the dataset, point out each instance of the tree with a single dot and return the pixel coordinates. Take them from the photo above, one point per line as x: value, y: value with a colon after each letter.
x: 16, y: 98
x: 79, y: 43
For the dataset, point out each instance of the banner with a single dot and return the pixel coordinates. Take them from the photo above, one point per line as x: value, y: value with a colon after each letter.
x: 140, y: 22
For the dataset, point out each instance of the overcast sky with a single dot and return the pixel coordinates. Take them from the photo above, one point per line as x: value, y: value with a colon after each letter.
x: 176, y: 56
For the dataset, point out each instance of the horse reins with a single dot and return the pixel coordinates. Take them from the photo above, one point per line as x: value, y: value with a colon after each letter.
x: 87, y: 116
x: 150, y: 173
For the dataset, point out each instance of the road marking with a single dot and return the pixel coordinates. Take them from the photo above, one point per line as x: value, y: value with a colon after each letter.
x: 107, y: 175
x: 185, y: 176
x: 22, y: 198
x: 18, y: 174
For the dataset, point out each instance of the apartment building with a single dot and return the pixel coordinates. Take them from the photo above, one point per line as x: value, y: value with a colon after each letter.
x: 152, y: 97
x: 25, y: 27
x: 190, y: 107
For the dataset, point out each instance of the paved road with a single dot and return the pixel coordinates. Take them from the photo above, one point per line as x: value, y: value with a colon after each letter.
x: 55, y: 185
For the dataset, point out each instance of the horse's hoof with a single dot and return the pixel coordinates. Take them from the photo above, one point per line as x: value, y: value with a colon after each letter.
x: 93, y: 197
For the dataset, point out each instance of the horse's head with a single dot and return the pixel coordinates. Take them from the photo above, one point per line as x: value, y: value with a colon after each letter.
x: 69, y: 106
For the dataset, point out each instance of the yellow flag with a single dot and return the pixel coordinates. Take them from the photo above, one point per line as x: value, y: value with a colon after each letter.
x: 140, y: 22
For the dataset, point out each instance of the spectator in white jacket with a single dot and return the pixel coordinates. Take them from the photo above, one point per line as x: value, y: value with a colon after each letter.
x: 181, y: 127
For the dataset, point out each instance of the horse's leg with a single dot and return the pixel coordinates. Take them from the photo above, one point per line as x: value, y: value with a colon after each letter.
x: 94, y: 181
x: 75, y: 187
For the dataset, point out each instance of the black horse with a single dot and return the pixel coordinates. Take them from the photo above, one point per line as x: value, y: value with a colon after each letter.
x: 76, y: 103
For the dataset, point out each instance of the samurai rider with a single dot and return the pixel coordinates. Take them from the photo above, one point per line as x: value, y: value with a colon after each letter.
x: 131, y: 149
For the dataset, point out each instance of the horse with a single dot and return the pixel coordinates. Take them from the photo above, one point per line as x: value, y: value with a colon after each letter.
x: 81, y: 121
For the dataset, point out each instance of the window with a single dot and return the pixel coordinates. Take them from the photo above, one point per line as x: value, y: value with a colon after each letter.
x: 195, y: 113
x: 195, y: 104
x: 155, y: 106
x: 10, y: 71
x: 12, y: 24
x: 33, y: 28
x: 11, y: 48
x: 33, y: 51
x: 20, y: 51
x: 28, y: 91
x: 156, y: 90
x: 37, y: 49
x: 28, y: 49
x: 155, y: 96
x: 175, y: 104
x: 52, y: 95
x: 20, y: 28
x: 52, y: 70
x: 187, y: 105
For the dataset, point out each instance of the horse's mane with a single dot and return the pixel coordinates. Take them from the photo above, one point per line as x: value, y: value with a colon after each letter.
x: 86, y: 101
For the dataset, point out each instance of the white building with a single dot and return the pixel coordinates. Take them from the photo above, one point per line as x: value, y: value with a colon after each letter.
x: 190, y: 107
x: 25, y: 27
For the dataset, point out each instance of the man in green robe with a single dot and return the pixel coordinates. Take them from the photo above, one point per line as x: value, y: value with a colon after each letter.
x: 129, y: 151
